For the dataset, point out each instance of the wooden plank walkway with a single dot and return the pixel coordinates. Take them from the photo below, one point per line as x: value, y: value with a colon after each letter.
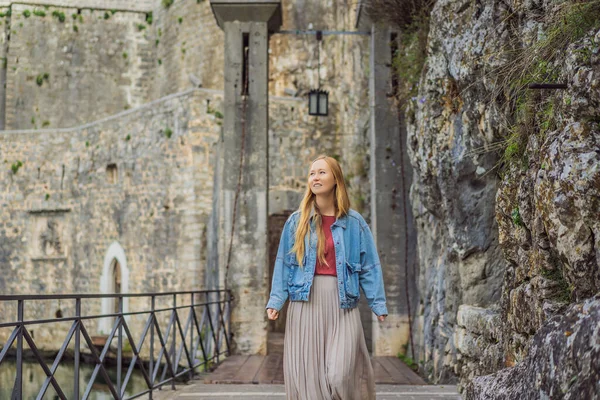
x: 269, y: 370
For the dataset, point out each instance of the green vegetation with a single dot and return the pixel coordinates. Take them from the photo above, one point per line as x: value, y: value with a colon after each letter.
x: 45, y: 124
x: 156, y: 42
x: 5, y: 14
x: 216, y: 113
x: 160, y: 61
x: 125, y: 55
x: 106, y: 15
x: 408, y: 361
x: 564, y: 291
x: 127, y: 348
x: 39, y: 13
x: 530, y: 114
x: 411, y: 18
x: 167, y: 3
x: 75, y: 28
x: 180, y: 19
x: 128, y: 138
x: 516, y: 217
x: 27, y: 13
x: 41, y: 78
x: 168, y: 133
x: 47, y: 196
x: 59, y: 15
x: 410, y: 57
x: 141, y: 27
x: 149, y: 18
x: 570, y: 22
x: 15, y: 166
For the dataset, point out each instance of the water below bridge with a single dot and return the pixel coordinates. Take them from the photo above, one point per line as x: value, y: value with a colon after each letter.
x: 34, y: 376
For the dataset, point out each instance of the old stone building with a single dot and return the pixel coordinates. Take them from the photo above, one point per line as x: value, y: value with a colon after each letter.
x: 482, y: 191
x: 113, y: 121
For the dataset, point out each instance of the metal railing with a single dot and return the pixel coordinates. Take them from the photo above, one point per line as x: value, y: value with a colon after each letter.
x: 181, y: 349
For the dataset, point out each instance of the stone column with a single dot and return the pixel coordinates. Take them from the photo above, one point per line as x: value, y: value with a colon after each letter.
x: 246, y: 24
x: 391, y: 216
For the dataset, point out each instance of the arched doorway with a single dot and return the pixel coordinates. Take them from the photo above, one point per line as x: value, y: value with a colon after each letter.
x: 115, y: 284
x: 114, y: 279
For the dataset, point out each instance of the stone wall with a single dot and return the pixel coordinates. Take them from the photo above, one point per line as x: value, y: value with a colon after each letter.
x: 508, y: 244
x: 142, y: 179
x: 189, y: 47
x: 99, y: 70
x: 63, y: 74
x: 120, y: 5
x: 454, y: 181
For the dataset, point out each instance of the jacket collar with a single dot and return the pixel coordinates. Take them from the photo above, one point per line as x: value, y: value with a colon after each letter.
x: 341, y: 221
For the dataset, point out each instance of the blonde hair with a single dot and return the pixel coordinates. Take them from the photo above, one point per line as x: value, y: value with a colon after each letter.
x: 309, y: 206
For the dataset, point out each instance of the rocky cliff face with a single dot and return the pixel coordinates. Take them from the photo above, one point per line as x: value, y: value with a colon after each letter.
x: 507, y: 198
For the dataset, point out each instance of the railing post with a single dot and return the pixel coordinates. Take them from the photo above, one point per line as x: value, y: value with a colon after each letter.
x: 228, y: 320
x: 174, y: 348
x: 120, y: 345
x: 193, y: 352
x: 218, y: 321
x: 77, y: 347
x: 18, y: 388
x: 151, y: 369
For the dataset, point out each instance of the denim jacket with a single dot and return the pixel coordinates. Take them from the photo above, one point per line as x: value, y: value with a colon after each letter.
x: 357, y: 265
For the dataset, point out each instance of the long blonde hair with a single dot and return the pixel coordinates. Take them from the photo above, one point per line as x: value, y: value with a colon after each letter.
x: 308, y: 208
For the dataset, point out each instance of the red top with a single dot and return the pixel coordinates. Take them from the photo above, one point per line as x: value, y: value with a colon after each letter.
x: 322, y: 269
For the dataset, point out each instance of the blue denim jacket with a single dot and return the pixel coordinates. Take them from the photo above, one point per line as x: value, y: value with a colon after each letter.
x: 357, y: 265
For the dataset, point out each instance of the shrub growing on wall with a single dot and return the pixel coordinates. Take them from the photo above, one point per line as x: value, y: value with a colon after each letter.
x: 411, y: 17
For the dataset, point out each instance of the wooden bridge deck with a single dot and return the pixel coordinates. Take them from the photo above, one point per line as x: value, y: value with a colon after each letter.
x: 269, y: 370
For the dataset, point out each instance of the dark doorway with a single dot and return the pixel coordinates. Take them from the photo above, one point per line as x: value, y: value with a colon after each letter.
x: 276, y: 328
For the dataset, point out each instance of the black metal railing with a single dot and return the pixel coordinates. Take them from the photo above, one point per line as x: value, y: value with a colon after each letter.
x: 177, y: 351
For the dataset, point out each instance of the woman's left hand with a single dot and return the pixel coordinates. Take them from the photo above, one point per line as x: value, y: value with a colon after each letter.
x: 381, y: 318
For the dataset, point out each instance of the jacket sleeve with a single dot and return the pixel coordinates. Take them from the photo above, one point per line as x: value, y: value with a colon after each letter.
x: 279, y: 285
x: 371, y: 276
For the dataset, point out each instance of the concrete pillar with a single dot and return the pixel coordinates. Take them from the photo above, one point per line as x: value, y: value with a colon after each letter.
x: 246, y: 24
x: 391, y: 217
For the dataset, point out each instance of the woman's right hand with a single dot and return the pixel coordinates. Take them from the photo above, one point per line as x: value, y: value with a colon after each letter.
x: 272, y: 314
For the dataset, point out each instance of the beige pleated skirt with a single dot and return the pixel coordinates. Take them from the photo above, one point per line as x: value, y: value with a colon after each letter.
x: 325, y: 355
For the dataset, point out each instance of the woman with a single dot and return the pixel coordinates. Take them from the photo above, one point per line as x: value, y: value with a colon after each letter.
x: 326, y: 253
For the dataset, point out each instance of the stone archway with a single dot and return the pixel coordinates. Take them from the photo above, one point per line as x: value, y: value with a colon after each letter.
x: 114, y: 279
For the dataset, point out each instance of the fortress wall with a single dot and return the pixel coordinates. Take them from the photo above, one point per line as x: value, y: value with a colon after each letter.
x: 190, y: 42
x: 121, y: 5
x: 64, y: 74
x: 65, y: 206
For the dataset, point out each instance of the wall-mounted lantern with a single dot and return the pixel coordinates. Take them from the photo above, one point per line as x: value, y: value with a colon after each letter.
x: 318, y: 99
x: 318, y: 102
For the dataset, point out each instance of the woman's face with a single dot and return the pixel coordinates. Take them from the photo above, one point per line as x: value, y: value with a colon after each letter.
x: 320, y: 178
